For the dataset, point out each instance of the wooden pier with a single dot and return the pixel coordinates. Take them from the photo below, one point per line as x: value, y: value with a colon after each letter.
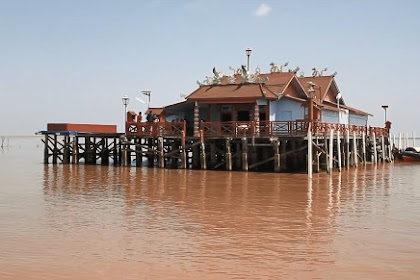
x: 294, y: 146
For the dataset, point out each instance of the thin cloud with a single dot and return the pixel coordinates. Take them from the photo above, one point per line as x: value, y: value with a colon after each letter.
x: 263, y: 10
x: 195, y: 5
x: 153, y: 4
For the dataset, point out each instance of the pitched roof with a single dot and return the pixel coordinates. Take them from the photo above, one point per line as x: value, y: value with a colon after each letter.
x: 156, y: 111
x: 276, y: 86
x: 324, y: 84
x: 234, y: 91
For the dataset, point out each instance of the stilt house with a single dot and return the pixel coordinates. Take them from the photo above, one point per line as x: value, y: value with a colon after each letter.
x: 264, y: 99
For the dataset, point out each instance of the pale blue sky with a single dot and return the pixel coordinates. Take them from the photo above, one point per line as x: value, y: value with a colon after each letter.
x: 72, y: 61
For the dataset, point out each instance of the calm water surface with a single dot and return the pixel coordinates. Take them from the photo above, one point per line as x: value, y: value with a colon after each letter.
x: 94, y: 222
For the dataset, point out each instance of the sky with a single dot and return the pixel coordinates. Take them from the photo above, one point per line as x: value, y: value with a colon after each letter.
x: 72, y: 61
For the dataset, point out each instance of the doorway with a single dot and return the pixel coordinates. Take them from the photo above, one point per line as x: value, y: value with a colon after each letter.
x: 225, y: 117
x: 243, y: 116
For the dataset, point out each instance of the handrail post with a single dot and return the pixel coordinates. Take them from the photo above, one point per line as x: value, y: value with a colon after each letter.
x: 309, y: 136
x: 183, y: 150
x: 203, y: 151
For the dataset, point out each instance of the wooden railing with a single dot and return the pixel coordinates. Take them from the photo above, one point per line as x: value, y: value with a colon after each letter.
x: 253, y: 128
x: 321, y: 128
x: 155, y: 129
x: 246, y: 128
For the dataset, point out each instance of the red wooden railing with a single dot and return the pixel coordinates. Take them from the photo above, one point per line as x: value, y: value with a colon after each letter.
x: 155, y: 129
x: 246, y: 128
x: 253, y: 128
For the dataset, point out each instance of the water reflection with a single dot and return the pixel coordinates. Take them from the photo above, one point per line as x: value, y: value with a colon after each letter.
x: 216, y: 222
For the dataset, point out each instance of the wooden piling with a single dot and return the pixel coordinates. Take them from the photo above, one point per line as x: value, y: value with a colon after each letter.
x: 75, y: 158
x: 383, y: 148
x: 309, y: 136
x: 331, y: 152
x: 277, y: 158
x: 66, y: 149
x: 151, y: 155
x: 228, y: 155
x: 390, y: 147
x: 115, y: 154
x: 213, y: 161
x: 339, y: 151
x: 238, y: 154
x: 355, y: 159
x: 326, y: 159
x: 104, y: 151
x: 55, y: 150
x: 124, y: 155
x: 183, y: 151
x: 317, y: 155
x: 244, y: 154
x: 294, y: 158
x: 203, y: 151
x: 347, y: 143
x: 139, y: 156
x: 364, y: 147
x: 375, y: 152
x: 46, y: 147
x: 161, y: 154
x: 196, y: 156
x: 283, y: 156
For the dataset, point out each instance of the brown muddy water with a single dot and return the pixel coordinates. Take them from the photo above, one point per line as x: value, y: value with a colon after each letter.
x: 95, y: 222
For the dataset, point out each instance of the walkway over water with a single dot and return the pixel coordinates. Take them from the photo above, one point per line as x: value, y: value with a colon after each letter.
x: 295, y: 146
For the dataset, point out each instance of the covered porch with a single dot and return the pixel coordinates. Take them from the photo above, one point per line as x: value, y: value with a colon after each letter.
x: 222, y: 114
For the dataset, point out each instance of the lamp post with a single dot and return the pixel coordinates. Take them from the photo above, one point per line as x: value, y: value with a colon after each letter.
x: 385, y: 107
x: 125, y: 101
x: 248, y: 52
x: 147, y: 93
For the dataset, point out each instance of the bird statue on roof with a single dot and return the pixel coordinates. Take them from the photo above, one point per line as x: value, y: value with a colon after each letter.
x: 275, y: 68
x: 295, y: 70
x: 217, y: 79
x: 318, y: 73
x: 243, y: 69
x: 236, y: 71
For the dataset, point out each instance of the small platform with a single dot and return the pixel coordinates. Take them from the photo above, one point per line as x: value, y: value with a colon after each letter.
x: 82, y: 128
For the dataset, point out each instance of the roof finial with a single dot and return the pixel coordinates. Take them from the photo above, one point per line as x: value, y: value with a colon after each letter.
x: 318, y: 73
x: 275, y: 68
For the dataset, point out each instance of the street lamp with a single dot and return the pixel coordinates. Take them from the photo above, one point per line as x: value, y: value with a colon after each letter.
x: 385, y: 107
x: 248, y: 52
x: 125, y: 101
x: 147, y: 93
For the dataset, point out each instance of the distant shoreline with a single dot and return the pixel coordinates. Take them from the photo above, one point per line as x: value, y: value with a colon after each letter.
x: 20, y: 136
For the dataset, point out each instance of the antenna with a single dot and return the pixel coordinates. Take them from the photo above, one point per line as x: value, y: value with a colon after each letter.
x: 147, y: 92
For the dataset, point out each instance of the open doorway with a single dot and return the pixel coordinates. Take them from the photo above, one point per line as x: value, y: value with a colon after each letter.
x: 226, y: 117
x: 243, y: 116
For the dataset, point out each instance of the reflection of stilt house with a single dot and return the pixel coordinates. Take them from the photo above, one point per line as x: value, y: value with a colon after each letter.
x: 273, y: 121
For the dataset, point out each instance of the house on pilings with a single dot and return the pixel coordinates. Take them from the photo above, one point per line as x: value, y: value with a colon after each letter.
x: 264, y: 98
